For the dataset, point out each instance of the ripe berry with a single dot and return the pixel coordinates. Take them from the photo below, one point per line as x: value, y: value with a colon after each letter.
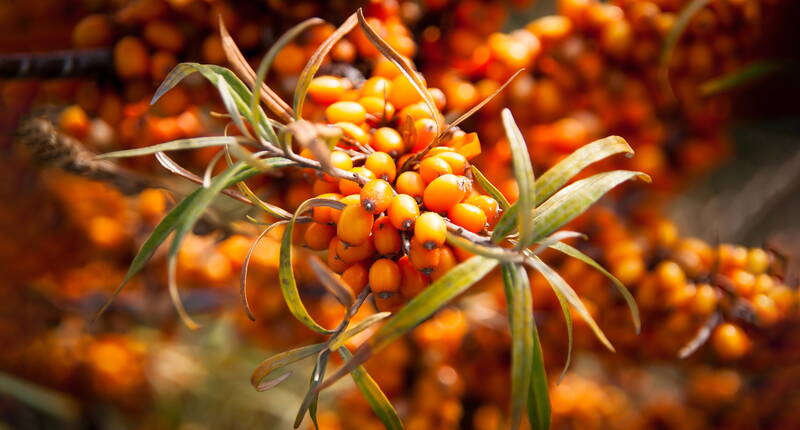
x: 341, y: 160
x: 326, y: 89
x: 376, y: 196
x: 468, y: 216
x: 334, y: 262
x: 488, y: 205
x: 352, y: 199
x: 456, y: 161
x: 424, y: 260
x: 347, y: 187
x: 356, y: 276
x: 403, y: 211
x: 354, y: 253
x: 445, y: 192
x: 430, y: 230
x: 355, y: 225
x: 413, y: 282
x: 346, y: 111
x: 388, y: 140
x: 322, y: 186
x: 385, y: 237
x: 447, y: 260
x: 433, y: 167
x: 410, y: 183
x: 402, y: 93
x: 382, y: 165
x: 318, y: 236
x: 730, y: 341
x: 384, y: 277
x: 376, y: 87
x: 322, y: 214
x: 377, y: 107
x: 425, y: 132
x: 354, y: 132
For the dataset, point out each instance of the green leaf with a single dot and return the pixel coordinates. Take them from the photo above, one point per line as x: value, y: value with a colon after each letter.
x: 209, y: 71
x: 312, y: 395
x: 520, y: 319
x: 178, y: 145
x: 489, y: 187
x: 555, y: 238
x: 558, y: 283
x: 671, y: 40
x: 286, y: 274
x: 749, y: 73
x: 246, y: 265
x: 50, y: 402
x: 494, y: 252
x: 339, y: 340
x: 561, y: 173
x: 562, y: 301
x: 230, y: 103
x: 523, y: 173
x: 539, y: 397
x: 313, y: 64
x: 279, y: 361
x: 439, y: 293
x: 575, y: 198
x: 372, y: 392
x: 626, y: 295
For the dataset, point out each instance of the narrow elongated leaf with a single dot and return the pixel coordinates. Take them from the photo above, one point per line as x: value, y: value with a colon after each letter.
x: 272, y: 210
x: 702, y: 335
x: 231, y: 105
x: 539, y: 397
x: 523, y: 173
x: 286, y: 274
x: 246, y: 265
x: 312, y: 395
x: 575, y: 198
x: 373, y: 394
x: 520, y: 319
x: 494, y: 252
x: 749, y: 73
x: 555, y: 238
x: 483, y: 102
x: 45, y: 400
x: 406, y: 68
x: 157, y: 237
x: 333, y: 284
x: 562, y: 301
x: 626, y: 295
x: 489, y: 187
x: 242, y: 67
x: 209, y: 71
x: 304, y: 80
x: 558, y: 175
x: 557, y: 282
x: 178, y: 145
x: 279, y: 361
x: 339, y: 341
x: 440, y: 292
x: 674, y: 35
x: 273, y: 51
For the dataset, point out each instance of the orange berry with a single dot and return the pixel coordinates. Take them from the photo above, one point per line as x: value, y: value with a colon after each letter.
x: 425, y: 132
x: 354, y: 132
x: 730, y: 341
x: 414, y: 282
x: 410, y: 183
x: 705, y: 300
x: 334, y: 262
x: 322, y: 214
x: 402, y: 93
x: 386, y: 238
x: 488, y: 205
x: 352, y: 199
x: 318, y: 236
x: 290, y: 60
x: 377, y: 107
x: 212, y: 50
x: 356, y: 276
x: 670, y: 275
x: 348, y: 187
x: 403, y: 211
x: 93, y: 31
x: 416, y: 111
x: 384, y: 277
x: 326, y: 89
x: 163, y: 35
x: 766, y: 310
x: 322, y: 186
x: 433, y: 167
x: 757, y: 261
x: 376, y: 196
x: 456, y: 161
x: 438, y: 98
x: 445, y: 192
x: 430, y: 230
x: 468, y: 216
x: 376, y: 86
x: 382, y: 165
x: 388, y: 140
x: 447, y: 260
x: 355, y: 225
x: 346, y: 111
x: 425, y: 260
x: 354, y: 253
x: 130, y: 58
